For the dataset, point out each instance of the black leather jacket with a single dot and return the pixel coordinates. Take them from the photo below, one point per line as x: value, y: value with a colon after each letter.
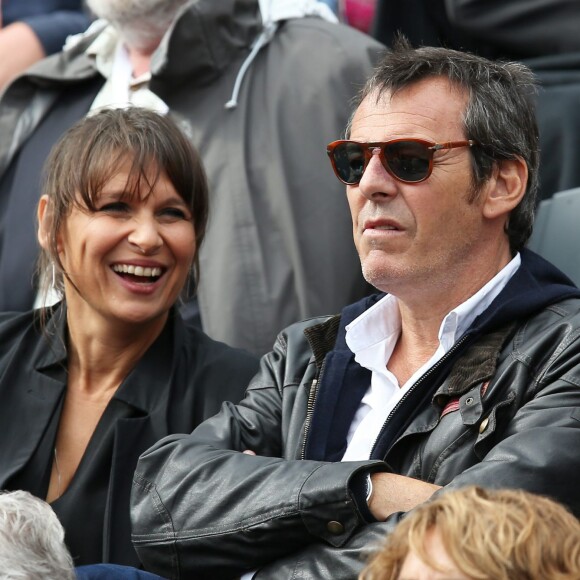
x: 506, y: 415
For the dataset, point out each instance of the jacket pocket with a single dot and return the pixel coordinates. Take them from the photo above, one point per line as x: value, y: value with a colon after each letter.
x: 490, y: 425
x: 466, y: 431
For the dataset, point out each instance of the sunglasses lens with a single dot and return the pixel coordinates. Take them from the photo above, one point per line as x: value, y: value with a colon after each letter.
x: 349, y: 162
x: 408, y: 160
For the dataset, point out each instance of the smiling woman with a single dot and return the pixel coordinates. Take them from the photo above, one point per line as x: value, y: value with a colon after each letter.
x: 108, y: 166
x: 127, y: 254
x: 91, y: 382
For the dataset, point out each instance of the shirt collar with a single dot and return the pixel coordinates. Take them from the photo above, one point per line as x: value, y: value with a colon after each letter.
x: 372, y: 335
x: 102, y: 50
x: 110, y: 54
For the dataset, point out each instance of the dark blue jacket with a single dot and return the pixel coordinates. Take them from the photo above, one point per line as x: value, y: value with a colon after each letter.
x: 51, y: 20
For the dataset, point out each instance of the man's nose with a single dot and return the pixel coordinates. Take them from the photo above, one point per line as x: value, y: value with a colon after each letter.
x: 376, y: 181
x: 145, y: 236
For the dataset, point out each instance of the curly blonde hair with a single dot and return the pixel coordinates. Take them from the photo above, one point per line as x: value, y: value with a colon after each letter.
x: 489, y: 535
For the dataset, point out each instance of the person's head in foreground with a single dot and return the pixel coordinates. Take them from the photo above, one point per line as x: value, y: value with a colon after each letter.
x: 123, y: 215
x: 481, y: 534
x: 31, y: 540
x: 440, y: 168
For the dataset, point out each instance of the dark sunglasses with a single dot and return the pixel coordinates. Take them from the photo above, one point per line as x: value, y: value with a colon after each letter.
x: 407, y: 160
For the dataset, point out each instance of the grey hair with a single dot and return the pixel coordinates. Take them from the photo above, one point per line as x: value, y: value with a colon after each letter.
x: 141, y: 23
x: 31, y: 540
x: 499, y: 116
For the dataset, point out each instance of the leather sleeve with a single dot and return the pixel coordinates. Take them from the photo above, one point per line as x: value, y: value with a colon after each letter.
x: 203, y: 509
x: 529, y: 440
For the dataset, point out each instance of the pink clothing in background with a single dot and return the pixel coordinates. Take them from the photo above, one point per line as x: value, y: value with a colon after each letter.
x: 358, y: 13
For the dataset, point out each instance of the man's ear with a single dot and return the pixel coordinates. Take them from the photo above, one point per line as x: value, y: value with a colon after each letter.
x: 506, y: 188
x: 44, y: 213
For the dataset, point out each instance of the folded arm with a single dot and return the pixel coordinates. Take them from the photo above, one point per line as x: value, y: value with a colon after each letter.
x: 201, y: 506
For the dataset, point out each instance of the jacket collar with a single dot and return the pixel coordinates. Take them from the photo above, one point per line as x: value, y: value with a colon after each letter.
x: 212, y: 33
x: 477, y: 365
x: 146, y: 384
x: 536, y: 285
x: 53, y: 331
x: 143, y: 386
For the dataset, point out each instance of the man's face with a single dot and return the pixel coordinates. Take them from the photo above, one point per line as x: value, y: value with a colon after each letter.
x: 413, y: 236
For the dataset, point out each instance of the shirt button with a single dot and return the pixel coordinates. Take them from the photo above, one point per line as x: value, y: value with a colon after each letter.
x: 335, y: 528
x: 483, y: 425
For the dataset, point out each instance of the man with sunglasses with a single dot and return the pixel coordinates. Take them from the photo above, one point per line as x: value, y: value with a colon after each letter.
x: 464, y: 369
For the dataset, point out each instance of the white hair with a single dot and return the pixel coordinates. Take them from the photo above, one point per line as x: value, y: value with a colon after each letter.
x: 141, y: 23
x: 31, y: 540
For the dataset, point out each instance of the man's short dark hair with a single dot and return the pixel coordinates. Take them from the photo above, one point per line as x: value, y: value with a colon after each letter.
x: 500, y: 113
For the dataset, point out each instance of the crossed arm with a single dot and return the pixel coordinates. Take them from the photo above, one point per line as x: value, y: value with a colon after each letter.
x: 394, y: 493
x: 202, y: 507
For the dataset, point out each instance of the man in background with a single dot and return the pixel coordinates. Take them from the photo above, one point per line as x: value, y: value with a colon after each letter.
x: 260, y: 87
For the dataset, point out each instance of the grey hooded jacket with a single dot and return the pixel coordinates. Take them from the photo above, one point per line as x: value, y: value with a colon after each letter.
x: 278, y: 246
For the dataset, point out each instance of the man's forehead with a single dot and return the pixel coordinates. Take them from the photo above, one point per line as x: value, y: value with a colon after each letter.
x: 423, y: 89
x: 423, y: 106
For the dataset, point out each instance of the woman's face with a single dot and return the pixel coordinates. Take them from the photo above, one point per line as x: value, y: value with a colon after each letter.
x: 130, y: 259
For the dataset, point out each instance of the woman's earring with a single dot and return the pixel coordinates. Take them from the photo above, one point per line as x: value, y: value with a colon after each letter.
x: 53, y: 285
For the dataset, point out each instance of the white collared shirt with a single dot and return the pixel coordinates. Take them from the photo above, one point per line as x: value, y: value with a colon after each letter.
x: 121, y: 89
x: 372, y: 338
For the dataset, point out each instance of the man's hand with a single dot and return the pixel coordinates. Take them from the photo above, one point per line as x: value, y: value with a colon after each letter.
x: 19, y: 48
x: 396, y: 493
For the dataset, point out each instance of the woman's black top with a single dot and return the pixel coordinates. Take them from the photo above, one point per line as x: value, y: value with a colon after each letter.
x: 181, y: 380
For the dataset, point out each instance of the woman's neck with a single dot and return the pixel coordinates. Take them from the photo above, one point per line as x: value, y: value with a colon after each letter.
x: 102, y: 354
